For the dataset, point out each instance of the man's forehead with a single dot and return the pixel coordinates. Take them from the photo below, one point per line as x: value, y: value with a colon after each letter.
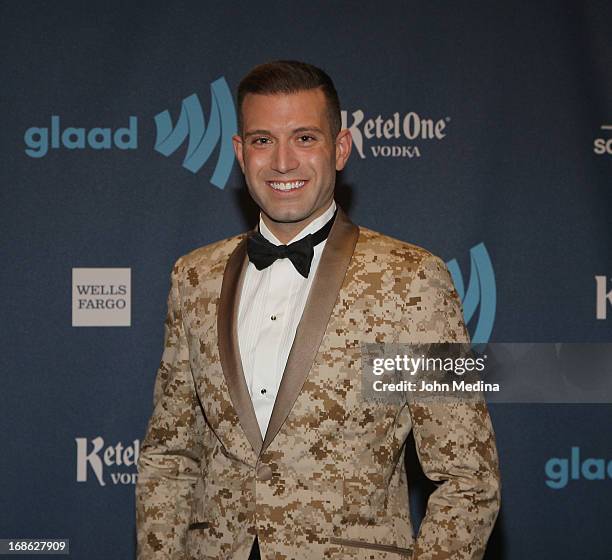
x: 279, y: 107
x: 314, y: 95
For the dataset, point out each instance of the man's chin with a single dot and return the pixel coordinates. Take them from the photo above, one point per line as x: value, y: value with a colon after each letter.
x: 288, y: 213
x: 287, y: 216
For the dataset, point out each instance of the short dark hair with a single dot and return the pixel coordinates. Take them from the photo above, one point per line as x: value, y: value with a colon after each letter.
x: 290, y: 76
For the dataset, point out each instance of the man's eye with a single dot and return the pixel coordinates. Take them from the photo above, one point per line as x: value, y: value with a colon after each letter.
x: 261, y: 141
x: 306, y: 138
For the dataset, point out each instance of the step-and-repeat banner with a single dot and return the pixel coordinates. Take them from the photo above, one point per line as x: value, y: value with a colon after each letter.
x: 482, y: 132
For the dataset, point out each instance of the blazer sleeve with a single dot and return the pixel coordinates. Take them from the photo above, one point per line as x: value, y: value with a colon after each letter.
x: 454, y: 439
x: 169, y: 461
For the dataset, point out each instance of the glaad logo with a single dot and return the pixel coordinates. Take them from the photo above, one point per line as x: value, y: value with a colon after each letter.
x: 37, y: 139
x: 601, y: 298
x: 561, y: 471
x: 382, y: 136
x: 603, y: 146
x: 202, y: 140
x: 481, y: 292
x: 101, y: 459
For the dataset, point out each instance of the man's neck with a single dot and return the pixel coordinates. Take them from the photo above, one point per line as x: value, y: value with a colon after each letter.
x: 286, y: 231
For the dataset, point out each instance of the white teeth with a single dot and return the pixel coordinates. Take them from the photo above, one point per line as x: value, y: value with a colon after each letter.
x: 277, y: 185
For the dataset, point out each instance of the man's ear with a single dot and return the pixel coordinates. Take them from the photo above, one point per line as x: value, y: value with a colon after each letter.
x: 237, y: 142
x: 344, y: 144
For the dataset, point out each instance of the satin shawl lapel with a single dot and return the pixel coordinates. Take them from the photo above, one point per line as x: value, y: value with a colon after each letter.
x: 321, y: 300
x: 319, y: 305
x: 229, y: 351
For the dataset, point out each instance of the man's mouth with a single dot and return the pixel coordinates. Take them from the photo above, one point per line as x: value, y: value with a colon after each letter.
x: 286, y: 185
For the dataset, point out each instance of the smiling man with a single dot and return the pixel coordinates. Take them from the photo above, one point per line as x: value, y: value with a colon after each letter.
x: 260, y: 443
x: 289, y: 151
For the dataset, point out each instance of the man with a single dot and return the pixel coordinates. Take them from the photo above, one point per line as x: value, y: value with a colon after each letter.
x: 260, y: 439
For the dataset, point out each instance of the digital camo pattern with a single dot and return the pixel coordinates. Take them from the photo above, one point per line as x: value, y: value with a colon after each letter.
x: 332, y: 483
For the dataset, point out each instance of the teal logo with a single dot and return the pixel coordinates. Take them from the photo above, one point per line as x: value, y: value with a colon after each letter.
x: 559, y: 471
x: 202, y: 138
x: 481, y: 294
x: 40, y: 139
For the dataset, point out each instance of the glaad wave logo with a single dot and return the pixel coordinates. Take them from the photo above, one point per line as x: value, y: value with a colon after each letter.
x: 202, y: 139
x: 560, y: 470
x: 385, y: 137
x: 115, y: 458
x: 481, y: 292
x: 602, y: 146
x: 191, y: 123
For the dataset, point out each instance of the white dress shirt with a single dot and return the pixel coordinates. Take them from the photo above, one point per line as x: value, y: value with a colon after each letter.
x: 271, y: 305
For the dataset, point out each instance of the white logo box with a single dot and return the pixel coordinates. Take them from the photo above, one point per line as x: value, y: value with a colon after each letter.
x: 101, y: 297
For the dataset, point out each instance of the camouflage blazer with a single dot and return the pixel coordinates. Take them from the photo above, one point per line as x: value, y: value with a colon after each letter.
x: 328, y: 480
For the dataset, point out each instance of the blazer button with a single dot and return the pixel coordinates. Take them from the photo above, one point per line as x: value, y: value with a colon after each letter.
x: 264, y: 473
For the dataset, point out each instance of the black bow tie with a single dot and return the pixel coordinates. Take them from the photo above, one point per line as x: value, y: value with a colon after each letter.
x: 262, y: 253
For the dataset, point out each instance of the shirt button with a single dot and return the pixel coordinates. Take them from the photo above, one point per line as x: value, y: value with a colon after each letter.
x: 263, y: 391
x: 273, y: 318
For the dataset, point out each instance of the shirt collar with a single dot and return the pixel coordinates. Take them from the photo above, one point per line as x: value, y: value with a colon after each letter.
x: 313, y: 226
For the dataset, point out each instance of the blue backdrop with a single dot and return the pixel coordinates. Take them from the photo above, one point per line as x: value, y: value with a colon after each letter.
x: 497, y: 157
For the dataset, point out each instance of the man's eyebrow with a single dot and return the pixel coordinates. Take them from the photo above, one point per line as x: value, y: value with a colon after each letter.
x: 308, y: 129
x: 294, y: 131
x: 258, y: 131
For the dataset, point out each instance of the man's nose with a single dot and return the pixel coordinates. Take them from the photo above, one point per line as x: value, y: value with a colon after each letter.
x: 284, y: 159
